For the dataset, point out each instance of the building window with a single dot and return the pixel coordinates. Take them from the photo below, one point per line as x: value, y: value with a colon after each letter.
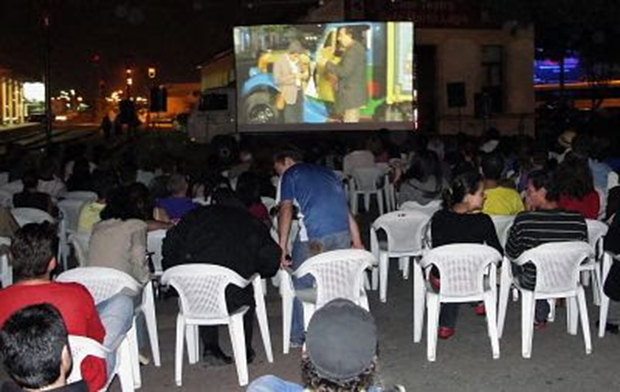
x: 493, y: 77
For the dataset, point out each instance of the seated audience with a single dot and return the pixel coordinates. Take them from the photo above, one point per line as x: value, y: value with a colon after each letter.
x: 31, y: 197
x: 8, y: 224
x: 500, y: 200
x: 102, y: 185
x: 224, y: 234
x: 33, y: 259
x: 80, y: 179
x: 341, y: 353
x: 544, y: 222
x: 576, y: 187
x: 458, y: 222
x: 424, y: 181
x: 248, y: 191
x: 34, y: 346
x: 178, y: 204
x: 49, y: 182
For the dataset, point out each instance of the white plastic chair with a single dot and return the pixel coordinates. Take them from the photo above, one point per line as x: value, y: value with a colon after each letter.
x: 154, y: 242
x: 27, y: 215
x: 404, y: 230
x: 82, y: 347
x: 6, y: 271
x: 606, y: 262
x: 612, y: 180
x: 366, y: 182
x: 269, y: 202
x: 85, y: 196
x: 468, y: 274
x: 430, y: 208
x: 356, y: 159
x: 4, y: 178
x: 80, y: 243
x: 502, y: 225
x: 13, y: 187
x: 103, y: 283
x: 6, y: 199
x: 557, y: 276
x: 70, y: 209
x: 202, y: 301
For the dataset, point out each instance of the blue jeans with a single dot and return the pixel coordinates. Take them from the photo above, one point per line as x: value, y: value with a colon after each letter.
x: 116, y: 314
x: 271, y: 383
x: 302, y: 251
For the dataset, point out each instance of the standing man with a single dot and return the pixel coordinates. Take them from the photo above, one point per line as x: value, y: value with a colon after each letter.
x: 351, y: 72
x: 324, y: 219
x: 289, y: 75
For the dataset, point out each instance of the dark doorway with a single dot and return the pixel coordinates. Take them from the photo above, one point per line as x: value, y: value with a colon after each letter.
x: 425, y: 82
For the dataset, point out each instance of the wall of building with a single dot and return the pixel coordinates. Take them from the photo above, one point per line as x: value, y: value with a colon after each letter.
x: 12, y: 103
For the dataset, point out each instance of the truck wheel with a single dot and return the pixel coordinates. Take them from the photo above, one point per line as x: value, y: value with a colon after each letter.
x: 260, y: 108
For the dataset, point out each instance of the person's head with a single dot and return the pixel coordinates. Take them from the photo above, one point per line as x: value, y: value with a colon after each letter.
x: 346, y: 36
x: 466, y: 190
x: 34, y: 346
x: 30, y: 180
x: 285, y: 159
x: 131, y: 202
x: 33, y: 251
x: 541, y: 191
x: 226, y: 197
x: 248, y: 188
x: 341, y: 345
x: 295, y: 50
x: 424, y: 164
x: 492, y: 166
x: 177, y: 185
x: 103, y: 184
x: 574, y: 177
x: 47, y: 168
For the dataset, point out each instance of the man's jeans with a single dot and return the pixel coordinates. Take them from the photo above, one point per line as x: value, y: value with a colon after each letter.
x: 116, y: 314
x: 301, y: 252
x: 274, y: 384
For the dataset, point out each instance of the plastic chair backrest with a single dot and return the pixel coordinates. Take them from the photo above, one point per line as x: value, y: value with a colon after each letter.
x: 6, y: 271
x: 612, y: 180
x: 6, y: 199
x: 404, y: 230
x: 367, y: 178
x: 338, y: 274
x: 596, y: 231
x: 430, y: 208
x: 82, y: 347
x: 557, y: 264
x: 71, y: 209
x: 101, y: 282
x: 502, y: 225
x: 27, y: 215
x: 13, y: 187
x: 355, y: 159
x: 80, y: 242
x: 461, y: 267
x: 85, y: 196
x: 155, y: 240
x: 201, y: 288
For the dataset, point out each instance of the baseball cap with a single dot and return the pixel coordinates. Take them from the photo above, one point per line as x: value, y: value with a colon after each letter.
x: 341, y: 340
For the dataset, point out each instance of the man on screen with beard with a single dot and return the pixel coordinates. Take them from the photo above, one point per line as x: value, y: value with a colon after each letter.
x: 351, y: 72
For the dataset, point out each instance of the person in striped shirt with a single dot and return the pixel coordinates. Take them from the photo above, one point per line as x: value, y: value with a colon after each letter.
x: 544, y: 222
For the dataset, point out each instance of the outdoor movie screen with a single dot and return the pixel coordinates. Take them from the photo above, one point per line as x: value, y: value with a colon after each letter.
x: 329, y: 76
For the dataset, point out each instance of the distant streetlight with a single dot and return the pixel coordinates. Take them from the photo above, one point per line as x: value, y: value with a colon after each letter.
x: 152, y: 73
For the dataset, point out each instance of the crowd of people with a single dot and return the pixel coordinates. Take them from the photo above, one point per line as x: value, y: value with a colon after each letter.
x: 212, y: 208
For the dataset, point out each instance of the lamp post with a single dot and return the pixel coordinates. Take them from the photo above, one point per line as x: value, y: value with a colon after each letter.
x: 49, y: 116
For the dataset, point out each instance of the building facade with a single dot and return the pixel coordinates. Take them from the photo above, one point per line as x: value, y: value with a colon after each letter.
x: 12, y: 101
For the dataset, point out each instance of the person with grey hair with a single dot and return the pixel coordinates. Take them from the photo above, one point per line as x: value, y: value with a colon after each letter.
x: 290, y: 74
x: 178, y: 204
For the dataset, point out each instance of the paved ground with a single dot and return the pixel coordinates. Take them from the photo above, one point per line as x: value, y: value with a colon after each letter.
x: 464, y: 363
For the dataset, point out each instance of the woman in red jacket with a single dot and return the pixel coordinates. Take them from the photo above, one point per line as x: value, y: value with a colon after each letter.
x: 576, y: 187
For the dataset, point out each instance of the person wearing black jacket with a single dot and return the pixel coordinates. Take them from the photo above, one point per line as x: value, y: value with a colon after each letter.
x: 224, y: 234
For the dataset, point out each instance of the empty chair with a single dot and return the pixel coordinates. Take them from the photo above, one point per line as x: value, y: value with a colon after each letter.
x: 85, y: 196
x: 367, y: 182
x: 82, y: 347
x: 502, y: 225
x: 154, y: 242
x: 430, y: 208
x: 468, y: 273
x: 557, y: 276
x: 202, y: 301
x: 404, y: 231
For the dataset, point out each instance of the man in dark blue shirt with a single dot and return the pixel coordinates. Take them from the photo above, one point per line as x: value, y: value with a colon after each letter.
x: 324, y: 220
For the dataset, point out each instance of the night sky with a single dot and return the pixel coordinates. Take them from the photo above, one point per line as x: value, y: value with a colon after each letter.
x: 173, y: 35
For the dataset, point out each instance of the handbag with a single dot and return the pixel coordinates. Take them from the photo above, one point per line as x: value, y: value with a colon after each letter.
x: 280, y: 102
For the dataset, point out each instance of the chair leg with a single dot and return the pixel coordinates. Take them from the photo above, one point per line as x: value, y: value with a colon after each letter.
x: 380, y: 202
x: 132, y: 337
x: 237, y: 339
x: 384, y: 266
x: 604, y: 309
x: 572, y: 315
x: 308, y: 312
x: 366, y: 201
x: 178, y: 353
x: 528, y: 305
x: 504, y: 293
x: 354, y: 201
x: 585, y: 323
x: 432, y: 305
x: 287, y: 319
x: 375, y: 278
x: 151, y: 322
x: 191, y: 336
x: 404, y: 261
x: 125, y: 374
x: 551, y: 317
x: 489, y: 304
x: 419, y: 297
x: 263, y: 323
x: 596, y: 285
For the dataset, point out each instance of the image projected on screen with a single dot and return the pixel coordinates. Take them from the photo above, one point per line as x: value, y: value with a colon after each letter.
x: 349, y: 75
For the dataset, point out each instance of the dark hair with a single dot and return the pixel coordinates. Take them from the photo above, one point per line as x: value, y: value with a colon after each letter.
x: 131, y: 202
x: 315, y: 382
x: 248, y: 188
x: 226, y: 197
x: 103, y: 184
x: 425, y: 164
x: 492, y: 166
x: 574, y: 177
x: 32, y: 248
x: 30, y: 179
x: 462, y: 185
x: 291, y: 153
x: 31, y: 343
x: 545, y: 179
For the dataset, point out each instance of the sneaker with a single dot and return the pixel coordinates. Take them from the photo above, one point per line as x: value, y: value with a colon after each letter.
x: 143, y: 359
x: 215, y: 357
x: 296, y: 344
x: 446, y: 332
x: 481, y: 310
